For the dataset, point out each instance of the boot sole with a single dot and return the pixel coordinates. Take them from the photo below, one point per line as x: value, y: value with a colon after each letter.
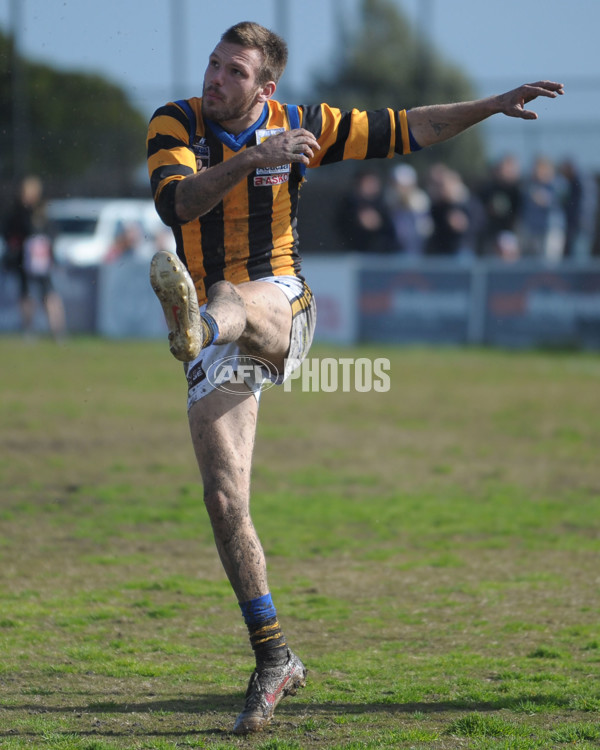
x: 177, y: 295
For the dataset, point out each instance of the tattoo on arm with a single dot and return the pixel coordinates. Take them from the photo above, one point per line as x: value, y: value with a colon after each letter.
x: 438, y: 127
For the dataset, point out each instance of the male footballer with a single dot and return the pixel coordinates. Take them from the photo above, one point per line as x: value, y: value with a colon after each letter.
x: 226, y: 170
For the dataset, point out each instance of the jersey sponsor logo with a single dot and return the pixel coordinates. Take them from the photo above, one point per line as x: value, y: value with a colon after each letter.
x: 261, y: 135
x: 270, y: 179
x: 202, y: 153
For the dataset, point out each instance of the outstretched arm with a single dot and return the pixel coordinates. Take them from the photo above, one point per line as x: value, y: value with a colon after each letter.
x: 439, y: 122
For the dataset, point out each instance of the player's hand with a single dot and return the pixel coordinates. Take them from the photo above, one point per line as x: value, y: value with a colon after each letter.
x: 290, y: 146
x: 513, y: 102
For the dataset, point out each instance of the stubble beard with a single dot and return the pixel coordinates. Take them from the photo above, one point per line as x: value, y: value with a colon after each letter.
x: 221, y: 111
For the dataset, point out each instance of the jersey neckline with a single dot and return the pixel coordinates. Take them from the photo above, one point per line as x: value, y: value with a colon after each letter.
x: 237, y: 142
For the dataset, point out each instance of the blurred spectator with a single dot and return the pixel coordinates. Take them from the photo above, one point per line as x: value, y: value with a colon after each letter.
x: 506, y: 246
x: 500, y: 198
x: 409, y: 209
x: 163, y: 240
x: 579, y: 201
x: 29, y: 254
x: 453, y: 213
x: 129, y: 243
x: 542, y: 217
x: 363, y: 218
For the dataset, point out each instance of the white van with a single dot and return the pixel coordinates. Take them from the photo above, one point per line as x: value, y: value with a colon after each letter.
x: 87, y: 229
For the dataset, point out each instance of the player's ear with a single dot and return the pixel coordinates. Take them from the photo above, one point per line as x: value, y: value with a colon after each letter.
x: 267, y: 91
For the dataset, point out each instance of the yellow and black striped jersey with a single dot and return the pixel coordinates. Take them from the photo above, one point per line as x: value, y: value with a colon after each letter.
x: 251, y: 233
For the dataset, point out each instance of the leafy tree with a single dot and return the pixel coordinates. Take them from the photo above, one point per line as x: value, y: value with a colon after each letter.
x: 79, y: 128
x: 386, y: 62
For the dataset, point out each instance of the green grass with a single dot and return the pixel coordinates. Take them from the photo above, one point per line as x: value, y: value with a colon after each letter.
x: 433, y: 553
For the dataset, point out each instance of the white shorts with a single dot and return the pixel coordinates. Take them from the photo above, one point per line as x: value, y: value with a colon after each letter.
x: 220, y: 365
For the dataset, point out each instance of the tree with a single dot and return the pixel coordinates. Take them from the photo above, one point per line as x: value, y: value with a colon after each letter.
x: 80, y: 128
x: 386, y: 62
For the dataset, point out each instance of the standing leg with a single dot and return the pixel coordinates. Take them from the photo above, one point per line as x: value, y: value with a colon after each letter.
x: 55, y: 312
x: 27, y: 306
x: 258, y: 317
x: 26, y: 303
x: 223, y: 426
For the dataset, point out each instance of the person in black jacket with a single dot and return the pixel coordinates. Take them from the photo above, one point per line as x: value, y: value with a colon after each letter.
x: 29, y: 254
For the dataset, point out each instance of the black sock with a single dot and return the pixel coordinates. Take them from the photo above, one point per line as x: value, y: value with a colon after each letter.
x: 266, y: 637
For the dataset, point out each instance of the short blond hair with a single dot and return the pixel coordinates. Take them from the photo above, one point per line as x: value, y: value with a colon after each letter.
x: 272, y: 47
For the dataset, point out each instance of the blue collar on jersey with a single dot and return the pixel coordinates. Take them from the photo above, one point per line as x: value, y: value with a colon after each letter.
x: 236, y: 142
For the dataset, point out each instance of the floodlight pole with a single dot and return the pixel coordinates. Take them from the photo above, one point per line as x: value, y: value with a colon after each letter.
x: 178, y: 48
x: 425, y: 25
x: 282, y: 24
x: 20, y: 123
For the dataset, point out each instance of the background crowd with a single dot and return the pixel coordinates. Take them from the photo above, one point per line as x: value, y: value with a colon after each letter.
x: 547, y: 213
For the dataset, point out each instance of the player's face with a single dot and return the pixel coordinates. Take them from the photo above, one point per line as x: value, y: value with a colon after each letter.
x: 230, y: 90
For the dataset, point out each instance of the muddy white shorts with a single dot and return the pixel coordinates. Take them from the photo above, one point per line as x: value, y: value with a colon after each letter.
x: 218, y: 366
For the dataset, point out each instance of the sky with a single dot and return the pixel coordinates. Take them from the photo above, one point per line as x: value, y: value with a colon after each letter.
x: 498, y: 44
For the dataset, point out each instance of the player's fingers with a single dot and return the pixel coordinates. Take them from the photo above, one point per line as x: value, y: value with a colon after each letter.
x: 544, y: 88
x: 550, y: 86
x: 526, y: 114
x: 304, y: 155
x: 308, y: 138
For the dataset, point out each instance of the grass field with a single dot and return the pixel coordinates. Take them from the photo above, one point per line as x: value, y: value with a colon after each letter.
x: 433, y: 553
